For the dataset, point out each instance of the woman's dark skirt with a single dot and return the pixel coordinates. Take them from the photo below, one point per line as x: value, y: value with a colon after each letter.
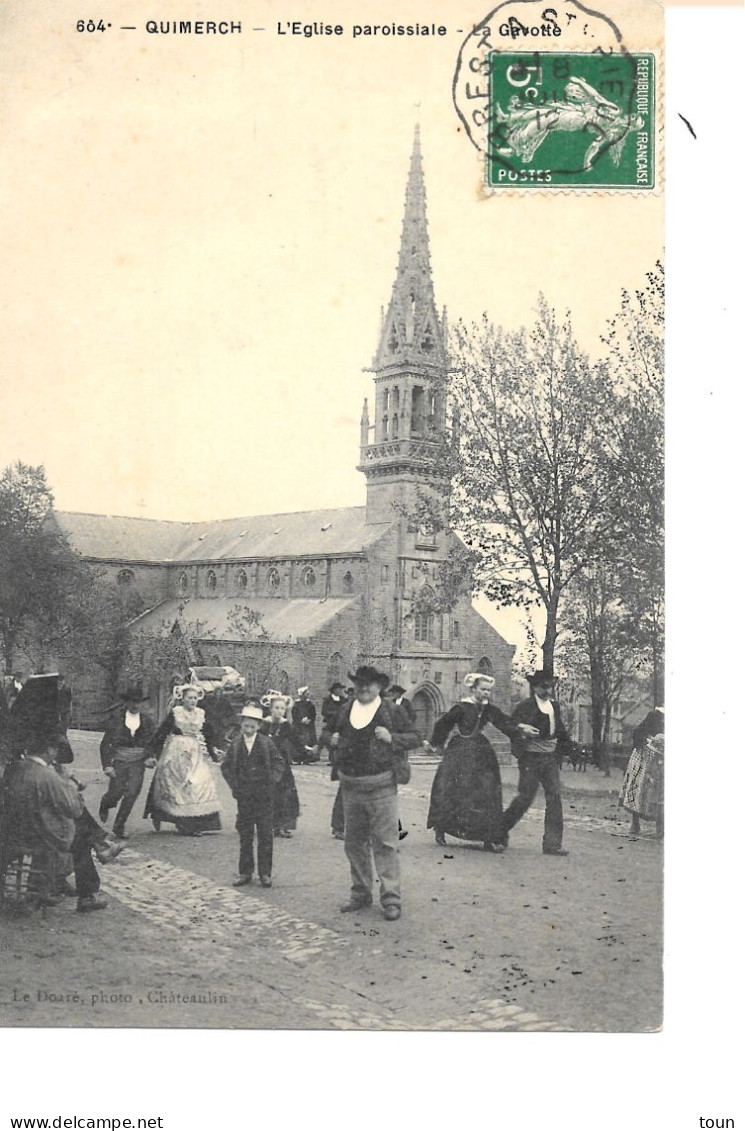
x: 466, y: 798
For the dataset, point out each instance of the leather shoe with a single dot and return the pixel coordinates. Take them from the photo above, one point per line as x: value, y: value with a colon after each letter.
x: 490, y: 847
x: 109, y: 853
x: 242, y: 881
x: 440, y: 839
x: 391, y: 912
x: 356, y: 904
x: 91, y: 903
x: 556, y: 852
x: 265, y: 881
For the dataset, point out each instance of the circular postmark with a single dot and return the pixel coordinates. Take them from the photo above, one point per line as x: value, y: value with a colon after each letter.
x: 550, y: 95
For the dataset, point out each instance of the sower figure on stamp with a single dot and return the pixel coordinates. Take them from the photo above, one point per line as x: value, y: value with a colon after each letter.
x: 538, y: 762
x: 254, y: 768
x: 370, y: 749
x: 123, y: 757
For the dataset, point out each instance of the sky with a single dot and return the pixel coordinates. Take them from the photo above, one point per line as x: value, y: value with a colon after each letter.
x: 198, y: 235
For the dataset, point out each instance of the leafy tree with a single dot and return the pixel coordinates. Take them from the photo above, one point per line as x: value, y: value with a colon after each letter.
x: 40, y: 574
x: 530, y: 497
x: 634, y: 443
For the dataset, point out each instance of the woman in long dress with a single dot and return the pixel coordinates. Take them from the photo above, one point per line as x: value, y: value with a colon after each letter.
x: 286, y: 801
x: 642, y: 791
x: 182, y: 791
x: 466, y: 798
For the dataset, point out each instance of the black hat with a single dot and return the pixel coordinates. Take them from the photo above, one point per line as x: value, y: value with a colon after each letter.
x: 542, y: 676
x: 35, y: 711
x: 133, y: 693
x: 64, y: 751
x: 396, y: 690
x: 337, y: 687
x: 367, y: 674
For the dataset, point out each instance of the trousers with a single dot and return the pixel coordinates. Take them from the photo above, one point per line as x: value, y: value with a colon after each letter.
x: 259, y: 818
x: 87, y: 833
x: 371, y: 835
x: 125, y: 786
x: 538, y: 770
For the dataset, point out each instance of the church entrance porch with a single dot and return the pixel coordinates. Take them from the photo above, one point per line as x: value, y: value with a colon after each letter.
x: 428, y: 704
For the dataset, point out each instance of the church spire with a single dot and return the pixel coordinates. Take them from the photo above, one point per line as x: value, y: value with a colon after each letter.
x: 411, y: 331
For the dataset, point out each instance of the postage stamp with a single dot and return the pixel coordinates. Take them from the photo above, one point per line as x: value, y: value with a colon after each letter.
x: 561, y: 97
x: 577, y: 118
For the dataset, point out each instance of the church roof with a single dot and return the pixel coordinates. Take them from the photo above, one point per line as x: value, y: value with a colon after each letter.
x: 315, y: 533
x: 283, y: 619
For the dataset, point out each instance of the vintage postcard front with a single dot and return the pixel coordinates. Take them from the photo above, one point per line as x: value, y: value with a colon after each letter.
x: 331, y: 516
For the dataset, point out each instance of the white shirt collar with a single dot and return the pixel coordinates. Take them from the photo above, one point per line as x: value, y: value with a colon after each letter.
x: 249, y: 742
x: 362, y: 714
x: 35, y: 758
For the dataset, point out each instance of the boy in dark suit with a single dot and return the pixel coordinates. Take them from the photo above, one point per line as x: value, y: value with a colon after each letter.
x: 253, y: 767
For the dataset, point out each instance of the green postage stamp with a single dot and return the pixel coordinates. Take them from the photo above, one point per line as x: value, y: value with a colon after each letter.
x: 576, y: 119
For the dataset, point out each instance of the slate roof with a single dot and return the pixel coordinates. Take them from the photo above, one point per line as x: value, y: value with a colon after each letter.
x: 284, y: 619
x: 297, y: 534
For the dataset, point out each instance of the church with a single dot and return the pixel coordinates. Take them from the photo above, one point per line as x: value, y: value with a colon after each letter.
x: 303, y: 598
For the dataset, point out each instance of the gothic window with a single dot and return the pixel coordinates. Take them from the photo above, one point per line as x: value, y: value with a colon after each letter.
x: 456, y: 630
x: 386, y: 400
x: 183, y: 582
x: 485, y: 666
x: 273, y: 580
x: 396, y: 399
x: 394, y: 431
x: 384, y: 573
x: 417, y: 410
x: 385, y: 428
x: 335, y: 669
x: 211, y: 579
x: 423, y: 627
x: 125, y: 577
x: 309, y: 577
x: 348, y: 582
x: 438, y: 677
x: 242, y: 579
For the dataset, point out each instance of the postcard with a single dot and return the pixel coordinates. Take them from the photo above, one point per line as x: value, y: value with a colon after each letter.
x: 332, y: 517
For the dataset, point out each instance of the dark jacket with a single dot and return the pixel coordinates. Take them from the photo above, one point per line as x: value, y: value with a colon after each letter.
x: 117, y: 735
x: 470, y: 717
x: 528, y: 712
x: 253, y: 777
x: 381, y: 754
x: 330, y: 710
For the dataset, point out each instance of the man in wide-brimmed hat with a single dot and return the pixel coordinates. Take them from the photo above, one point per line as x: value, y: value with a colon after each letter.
x: 538, y: 761
x: 370, y: 746
x: 123, y: 756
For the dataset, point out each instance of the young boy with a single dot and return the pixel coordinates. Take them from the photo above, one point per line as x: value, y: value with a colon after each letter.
x: 252, y: 768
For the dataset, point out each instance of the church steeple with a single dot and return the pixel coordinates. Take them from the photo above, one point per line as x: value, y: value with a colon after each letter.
x: 411, y: 330
x: 410, y: 367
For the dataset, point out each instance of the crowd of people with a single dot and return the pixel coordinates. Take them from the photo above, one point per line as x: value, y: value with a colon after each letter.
x: 367, y: 731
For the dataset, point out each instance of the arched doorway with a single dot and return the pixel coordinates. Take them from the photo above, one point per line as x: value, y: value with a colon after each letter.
x: 428, y: 703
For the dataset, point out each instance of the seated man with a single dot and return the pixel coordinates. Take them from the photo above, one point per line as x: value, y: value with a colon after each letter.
x: 45, y: 814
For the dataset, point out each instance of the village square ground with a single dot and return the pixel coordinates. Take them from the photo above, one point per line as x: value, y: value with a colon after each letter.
x: 515, y: 942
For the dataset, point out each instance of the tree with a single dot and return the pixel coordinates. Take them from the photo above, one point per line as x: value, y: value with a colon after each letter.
x: 40, y: 574
x: 634, y: 442
x: 167, y: 650
x: 601, y: 646
x: 261, y: 651
x: 530, y: 497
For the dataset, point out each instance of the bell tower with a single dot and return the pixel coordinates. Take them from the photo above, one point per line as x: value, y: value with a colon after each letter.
x: 409, y: 367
